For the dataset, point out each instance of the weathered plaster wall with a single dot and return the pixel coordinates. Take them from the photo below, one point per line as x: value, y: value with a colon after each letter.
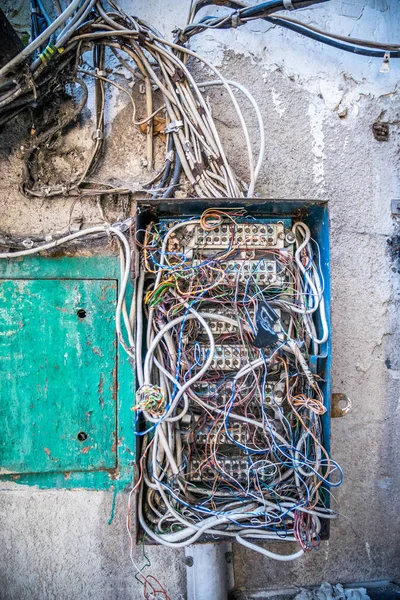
x: 319, y: 105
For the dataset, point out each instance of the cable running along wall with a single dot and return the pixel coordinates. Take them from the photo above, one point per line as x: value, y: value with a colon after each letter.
x: 195, y: 159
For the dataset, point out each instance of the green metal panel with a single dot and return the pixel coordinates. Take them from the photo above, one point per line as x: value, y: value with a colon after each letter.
x: 66, y: 389
x: 58, y: 409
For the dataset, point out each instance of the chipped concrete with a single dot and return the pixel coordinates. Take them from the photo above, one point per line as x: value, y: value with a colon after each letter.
x: 319, y: 105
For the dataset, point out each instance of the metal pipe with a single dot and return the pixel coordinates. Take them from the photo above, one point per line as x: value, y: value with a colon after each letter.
x: 209, y: 570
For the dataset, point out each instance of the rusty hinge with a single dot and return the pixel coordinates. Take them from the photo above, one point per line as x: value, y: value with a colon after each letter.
x: 340, y: 405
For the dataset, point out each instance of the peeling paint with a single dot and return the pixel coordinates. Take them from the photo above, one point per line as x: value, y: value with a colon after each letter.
x: 278, y: 103
x: 318, y: 144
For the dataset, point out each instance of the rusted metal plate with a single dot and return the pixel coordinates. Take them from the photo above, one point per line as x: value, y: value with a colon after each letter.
x: 58, y: 362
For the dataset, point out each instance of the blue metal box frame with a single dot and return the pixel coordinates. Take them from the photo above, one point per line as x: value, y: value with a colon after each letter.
x: 312, y: 212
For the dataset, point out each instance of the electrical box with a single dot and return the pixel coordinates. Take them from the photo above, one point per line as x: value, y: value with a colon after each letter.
x: 66, y: 390
x: 203, y: 462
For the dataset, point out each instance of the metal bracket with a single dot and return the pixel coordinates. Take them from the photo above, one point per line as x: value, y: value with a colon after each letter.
x: 197, y: 169
x: 142, y: 38
x: 173, y: 127
x: 395, y: 207
x: 340, y: 405
x: 97, y: 135
x: 235, y: 20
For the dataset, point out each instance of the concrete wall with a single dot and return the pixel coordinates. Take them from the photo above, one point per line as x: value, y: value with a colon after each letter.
x: 319, y: 105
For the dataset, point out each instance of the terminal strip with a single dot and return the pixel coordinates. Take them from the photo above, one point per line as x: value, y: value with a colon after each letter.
x: 244, y: 235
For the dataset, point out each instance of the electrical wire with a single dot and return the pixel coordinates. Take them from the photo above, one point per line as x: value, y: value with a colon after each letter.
x: 233, y: 450
x: 243, y: 13
x: 235, y: 430
x: 110, y: 230
x: 195, y: 160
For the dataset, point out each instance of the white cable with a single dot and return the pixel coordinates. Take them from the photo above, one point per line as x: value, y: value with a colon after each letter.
x: 139, y: 327
x: 198, y: 375
x: 167, y: 460
x: 75, y: 22
x: 124, y: 310
x: 264, y: 551
x: 261, y: 128
x: 124, y: 275
x: 54, y: 243
x: 203, y: 103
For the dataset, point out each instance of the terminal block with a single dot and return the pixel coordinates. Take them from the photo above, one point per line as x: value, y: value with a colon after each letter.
x: 238, y: 468
x: 247, y: 235
x: 233, y: 467
x: 190, y: 426
x: 236, y: 433
x: 263, y: 272
x: 227, y: 358
x: 274, y: 392
x: 219, y: 327
x: 218, y: 393
x: 242, y: 236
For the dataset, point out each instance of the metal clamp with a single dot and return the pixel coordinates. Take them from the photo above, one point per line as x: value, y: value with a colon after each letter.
x: 188, y: 146
x: 178, y: 75
x: 173, y: 127
x: 97, y: 135
x: 288, y: 4
x: 197, y: 169
x: 235, y: 20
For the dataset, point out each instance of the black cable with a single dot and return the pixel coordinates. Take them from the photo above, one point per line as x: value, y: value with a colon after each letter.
x: 244, y: 13
x: 167, y: 169
x: 335, y: 43
x: 170, y: 191
x: 342, y: 38
x: 264, y: 10
x: 40, y: 20
x: 273, y: 5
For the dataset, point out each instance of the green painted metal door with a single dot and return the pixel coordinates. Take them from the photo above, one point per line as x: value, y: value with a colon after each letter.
x: 58, y: 375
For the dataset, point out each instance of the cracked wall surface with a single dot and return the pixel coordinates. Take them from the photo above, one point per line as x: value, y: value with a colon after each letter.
x: 319, y: 105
